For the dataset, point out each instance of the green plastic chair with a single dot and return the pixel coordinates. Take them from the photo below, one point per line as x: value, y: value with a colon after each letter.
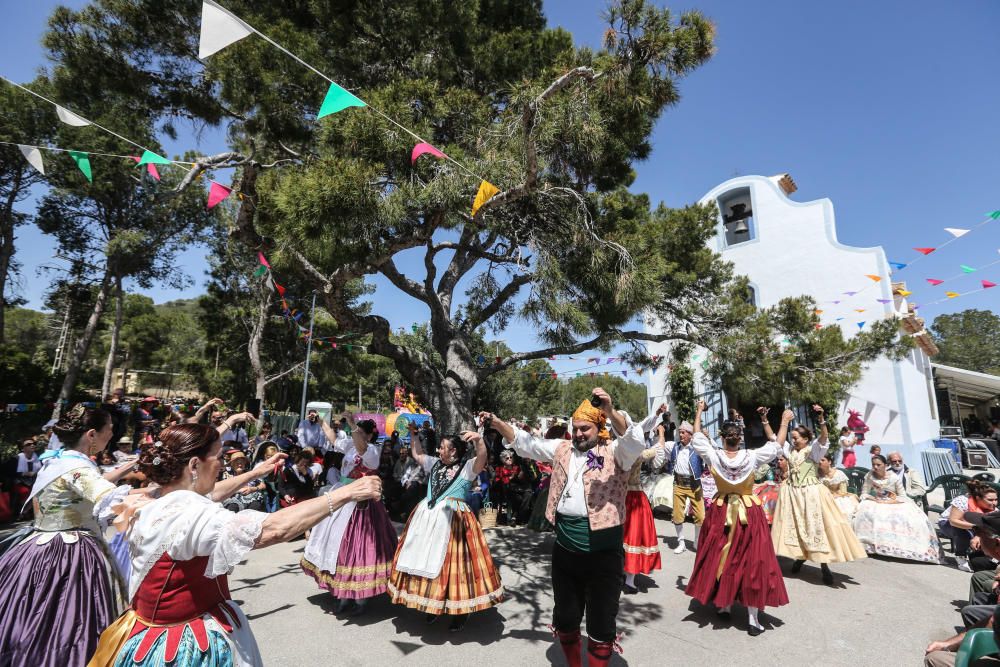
x: 855, y: 479
x: 953, y: 485
x: 978, y: 643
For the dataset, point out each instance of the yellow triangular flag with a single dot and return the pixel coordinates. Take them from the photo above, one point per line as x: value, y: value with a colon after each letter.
x: 903, y: 292
x: 873, y: 277
x: 859, y: 310
x: 951, y: 295
x: 487, y: 191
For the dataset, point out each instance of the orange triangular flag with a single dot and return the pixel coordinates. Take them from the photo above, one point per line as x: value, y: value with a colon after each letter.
x: 951, y: 295
x: 873, y: 277
x: 859, y: 310
x: 487, y: 191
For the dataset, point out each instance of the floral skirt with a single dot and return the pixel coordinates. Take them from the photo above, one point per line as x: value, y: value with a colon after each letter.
x: 899, y: 530
x: 750, y: 574
x: 768, y: 494
x: 468, y: 581
x: 808, y: 525
x: 642, y: 545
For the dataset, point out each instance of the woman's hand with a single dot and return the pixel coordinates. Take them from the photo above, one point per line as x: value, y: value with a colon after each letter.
x: 787, y: 417
x: 701, y: 405
x: 366, y: 488
x: 818, y: 409
x: 471, y: 436
x: 269, y: 465
x: 975, y: 543
x: 762, y: 411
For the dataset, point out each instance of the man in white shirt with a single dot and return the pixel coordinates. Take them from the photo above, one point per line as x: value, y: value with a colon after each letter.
x: 310, y: 433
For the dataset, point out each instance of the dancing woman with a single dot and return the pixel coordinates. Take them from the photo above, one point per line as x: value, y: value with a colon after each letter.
x: 184, y: 545
x: 735, y: 561
x: 350, y: 554
x: 59, y: 586
x: 443, y: 564
x: 641, y: 543
x: 808, y: 525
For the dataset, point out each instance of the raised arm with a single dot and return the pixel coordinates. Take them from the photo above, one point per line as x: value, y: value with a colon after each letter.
x: 698, y: 409
x: 522, y: 442
x: 196, y: 419
x: 824, y: 434
x: 649, y: 423
x: 416, y: 448
x: 359, y: 437
x: 229, y: 486
x: 289, y: 522
x: 786, y: 418
x: 768, y: 431
x: 481, y: 453
x: 233, y: 420
x: 328, y: 432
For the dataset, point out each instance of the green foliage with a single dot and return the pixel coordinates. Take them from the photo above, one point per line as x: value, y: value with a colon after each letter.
x: 681, y: 379
x: 969, y: 339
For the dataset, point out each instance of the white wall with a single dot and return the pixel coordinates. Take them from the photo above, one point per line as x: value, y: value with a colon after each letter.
x: 796, y: 252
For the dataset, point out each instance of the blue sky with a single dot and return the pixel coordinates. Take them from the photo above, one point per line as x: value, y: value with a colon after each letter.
x: 887, y: 108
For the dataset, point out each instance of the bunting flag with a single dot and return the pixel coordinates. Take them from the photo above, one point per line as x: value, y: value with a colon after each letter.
x: 262, y: 259
x: 481, y: 359
x: 487, y: 191
x: 818, y: 311
x: 149, y: 157
x: 873, y: 277
x: 219, y: 29
x: 903, y: 292
x: 897, y: 265
x: 884, y: 300
x: 421, y: 149
x: 861, y: 325
x: 217, y: 193
x: 995, y: 215
x: 594, y: 360
x: 278, y: 288
x: 967, y: 269
x: 83, y: 162
x: 934, y: 281
x: 33, y: 156
x: 150, y: 168
x: 859, y: 310
x: 925, y: 251
x: 850, y: 293
x: 70, y: 118
x: 338, y: 99
x: 951, y: 295
x: 838, y: 319
x: 957, y: 233
x: 987, y: 284
x: 261, y: 270
x: 836, y: 302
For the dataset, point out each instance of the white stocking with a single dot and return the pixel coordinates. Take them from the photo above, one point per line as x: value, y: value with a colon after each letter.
x: 630, y: 580
x: 752, y: 613
x: 679, y: 529
x: 697, y: 531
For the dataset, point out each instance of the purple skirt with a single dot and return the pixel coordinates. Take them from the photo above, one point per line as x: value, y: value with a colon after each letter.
x: 55, y: 600
x: 366, y: 552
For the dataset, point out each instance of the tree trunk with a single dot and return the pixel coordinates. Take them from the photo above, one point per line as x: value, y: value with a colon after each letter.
x: 253, y: 349
x: 7, y: 247
x: 109, y: 366
x: 83, y: 346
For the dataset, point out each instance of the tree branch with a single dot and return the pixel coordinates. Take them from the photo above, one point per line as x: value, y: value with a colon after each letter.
x: 388, y: 269
x: 271, y: 379
x: 494, y: 306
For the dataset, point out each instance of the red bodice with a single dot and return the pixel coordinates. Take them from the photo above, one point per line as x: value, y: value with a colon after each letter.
x: 175, y: 595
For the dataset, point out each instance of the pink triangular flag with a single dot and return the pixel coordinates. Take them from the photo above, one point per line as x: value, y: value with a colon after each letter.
x: 934, y: 281
x: 150, y: 167
x: 422, y: 148
x: 260, y: 255
x: 216, y: 193
x: 987, y: 284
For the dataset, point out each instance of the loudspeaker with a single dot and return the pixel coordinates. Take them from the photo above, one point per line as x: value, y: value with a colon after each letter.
x: 253, y: 407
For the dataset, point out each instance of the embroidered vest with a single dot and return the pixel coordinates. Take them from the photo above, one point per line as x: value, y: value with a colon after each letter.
x: 604, y: 488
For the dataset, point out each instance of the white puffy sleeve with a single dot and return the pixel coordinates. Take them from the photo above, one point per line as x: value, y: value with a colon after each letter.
x: 528, y: 446
x: 819, y: 449
x: 90, y: 484
x: 628, y: 445
x: 225, y: 537
x: 703, y: 446
x: 767, y: 453
x: 343, y: 443
x: 371, y: 458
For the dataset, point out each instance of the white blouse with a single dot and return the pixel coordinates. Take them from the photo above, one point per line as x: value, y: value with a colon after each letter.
x: 736, y: 469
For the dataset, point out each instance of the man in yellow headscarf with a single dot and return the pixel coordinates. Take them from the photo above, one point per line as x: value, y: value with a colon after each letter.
x: 587, y: 506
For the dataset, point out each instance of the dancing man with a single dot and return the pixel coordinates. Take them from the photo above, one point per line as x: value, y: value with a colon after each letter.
x: 736, y: 561
x: 687, y: 485
x: 587, y: 506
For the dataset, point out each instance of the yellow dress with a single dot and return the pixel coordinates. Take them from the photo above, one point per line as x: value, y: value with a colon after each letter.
x: 808, y: 525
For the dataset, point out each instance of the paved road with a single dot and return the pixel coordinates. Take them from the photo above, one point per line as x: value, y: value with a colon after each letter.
x: 880, y: 612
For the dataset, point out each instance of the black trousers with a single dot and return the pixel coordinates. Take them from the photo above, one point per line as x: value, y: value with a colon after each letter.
x: 587, y: 582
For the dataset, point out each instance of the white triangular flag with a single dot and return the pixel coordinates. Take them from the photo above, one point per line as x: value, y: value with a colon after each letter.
x: 219, y: 29
x: 33, y: 156
x: 957, y: 233
x: 70, y: 118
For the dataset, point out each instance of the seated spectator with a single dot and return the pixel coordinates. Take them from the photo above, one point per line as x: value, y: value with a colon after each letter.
x: 478, y: 492
x: 332, y: 462
x: 125, y: 451
x: 411, y: 479
x: 911, y: 479
x: 253, y: 496
x: 316, y: 467
x: 981, y: 498
x: 264, y: 435
x: 296, y: 482
x: 28, y: 466
x: 510, y: 491
x: 106, y: 461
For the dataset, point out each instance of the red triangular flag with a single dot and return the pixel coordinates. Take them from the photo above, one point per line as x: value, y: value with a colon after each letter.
x: 987, y: 284
x: 925, y: 251
x: 150, y: 167
x: 216, y: 193
x: 934, y: 281
x: 279, y: 288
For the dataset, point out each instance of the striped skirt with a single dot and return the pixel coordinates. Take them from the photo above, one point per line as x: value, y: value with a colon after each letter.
x: 468, y: 580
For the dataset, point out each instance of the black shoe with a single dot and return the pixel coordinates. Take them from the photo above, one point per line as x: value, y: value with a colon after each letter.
x: 723, y: 614
x: 341, y: 607
x: 430, y: 618
x: 753, y: 632
x: 797, y: 565
x: 359, y: 608
x: 630, y: 590
x: 458, y: 623
x: 827, y: 576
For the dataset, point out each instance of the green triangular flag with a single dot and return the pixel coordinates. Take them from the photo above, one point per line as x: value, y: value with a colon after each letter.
x: 995, y: 215
x: 968, y: 269
x: 149, y: 157
x: 83, y: 162
x: 338, y: 99
x: 261, y: 270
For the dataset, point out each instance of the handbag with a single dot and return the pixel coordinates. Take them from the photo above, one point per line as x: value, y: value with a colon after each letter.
x: 488, y: 515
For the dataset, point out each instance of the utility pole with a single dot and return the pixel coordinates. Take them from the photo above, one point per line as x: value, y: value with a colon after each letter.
x: 309, y: 344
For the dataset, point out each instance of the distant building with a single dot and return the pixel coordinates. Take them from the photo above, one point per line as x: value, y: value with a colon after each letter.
x: 787, y: 248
